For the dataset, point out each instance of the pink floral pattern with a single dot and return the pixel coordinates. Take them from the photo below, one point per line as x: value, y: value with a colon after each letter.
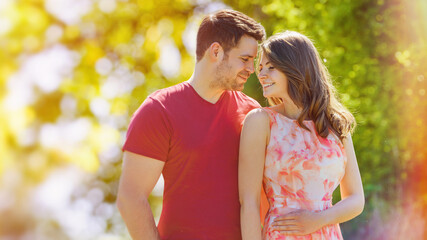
x: 301, y: 171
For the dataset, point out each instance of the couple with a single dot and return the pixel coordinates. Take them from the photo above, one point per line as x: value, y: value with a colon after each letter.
x: 217, y: 148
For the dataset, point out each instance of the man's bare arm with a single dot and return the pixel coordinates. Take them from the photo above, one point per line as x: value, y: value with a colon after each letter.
x: 139, y: 176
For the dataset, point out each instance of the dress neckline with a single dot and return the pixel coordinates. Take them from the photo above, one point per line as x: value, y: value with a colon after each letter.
x: 285, y: 117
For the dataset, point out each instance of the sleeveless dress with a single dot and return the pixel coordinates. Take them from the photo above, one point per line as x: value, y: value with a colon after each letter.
x: 301, y: 171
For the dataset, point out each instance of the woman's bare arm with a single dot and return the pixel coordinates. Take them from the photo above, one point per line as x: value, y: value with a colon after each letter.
x: 253, y: 143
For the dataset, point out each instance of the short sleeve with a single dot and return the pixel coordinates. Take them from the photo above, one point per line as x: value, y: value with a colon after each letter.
x: 149, y: 131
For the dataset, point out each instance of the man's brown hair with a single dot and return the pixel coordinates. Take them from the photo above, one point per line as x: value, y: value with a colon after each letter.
x: 226, y: 27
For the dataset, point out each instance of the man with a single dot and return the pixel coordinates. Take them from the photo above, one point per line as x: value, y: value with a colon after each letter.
x: 190, y: 132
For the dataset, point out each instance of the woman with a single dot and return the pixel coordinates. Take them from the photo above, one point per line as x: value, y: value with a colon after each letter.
x: 299, y: 150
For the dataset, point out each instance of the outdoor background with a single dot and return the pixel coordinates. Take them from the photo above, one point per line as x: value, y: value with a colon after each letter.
x: 72, y: 72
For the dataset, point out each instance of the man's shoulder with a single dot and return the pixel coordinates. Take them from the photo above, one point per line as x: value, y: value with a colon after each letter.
x: 245, y: 99
x: 168, y: 94
x: 161, y: 99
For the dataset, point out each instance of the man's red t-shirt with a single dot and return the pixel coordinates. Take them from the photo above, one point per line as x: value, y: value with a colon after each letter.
x: 199, y: 143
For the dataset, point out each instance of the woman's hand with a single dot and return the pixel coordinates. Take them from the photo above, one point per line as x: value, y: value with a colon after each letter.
x: 300, y: 222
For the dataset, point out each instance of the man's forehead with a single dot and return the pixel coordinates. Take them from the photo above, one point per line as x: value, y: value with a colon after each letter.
x: 247, y: 46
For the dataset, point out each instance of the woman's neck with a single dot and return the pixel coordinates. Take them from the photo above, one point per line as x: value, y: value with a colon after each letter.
x: 291, y: 110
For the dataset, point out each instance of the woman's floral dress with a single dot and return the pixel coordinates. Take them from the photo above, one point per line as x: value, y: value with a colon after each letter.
x: 301, y: 171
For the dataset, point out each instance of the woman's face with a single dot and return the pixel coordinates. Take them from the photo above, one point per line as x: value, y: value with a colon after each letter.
x: 274, y: 82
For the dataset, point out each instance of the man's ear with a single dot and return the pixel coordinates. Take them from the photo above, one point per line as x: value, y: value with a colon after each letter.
x: 215, y: 52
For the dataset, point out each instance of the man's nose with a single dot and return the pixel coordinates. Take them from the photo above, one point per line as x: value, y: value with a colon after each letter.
x: 250, y: 68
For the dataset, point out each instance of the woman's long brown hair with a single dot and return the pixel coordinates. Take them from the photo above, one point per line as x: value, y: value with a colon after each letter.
x: 309, y: 83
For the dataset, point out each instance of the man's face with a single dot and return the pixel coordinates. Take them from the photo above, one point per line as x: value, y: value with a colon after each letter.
x: 234, y: 70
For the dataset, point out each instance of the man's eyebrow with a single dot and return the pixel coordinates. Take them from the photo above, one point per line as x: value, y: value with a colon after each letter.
x: 247, y: 55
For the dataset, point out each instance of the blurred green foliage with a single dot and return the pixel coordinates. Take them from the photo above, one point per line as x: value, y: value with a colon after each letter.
x: 374, y: 49
x: 376, y: 54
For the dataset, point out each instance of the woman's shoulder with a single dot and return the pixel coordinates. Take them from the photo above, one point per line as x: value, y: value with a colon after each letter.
x: 257, y: 116
x: 260, y: 114
x: 256, y: 124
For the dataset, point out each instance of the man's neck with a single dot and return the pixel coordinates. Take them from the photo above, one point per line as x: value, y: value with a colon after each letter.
x: 201, y: 82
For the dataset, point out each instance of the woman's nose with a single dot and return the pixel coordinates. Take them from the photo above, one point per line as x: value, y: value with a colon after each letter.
x: 261, y: 75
